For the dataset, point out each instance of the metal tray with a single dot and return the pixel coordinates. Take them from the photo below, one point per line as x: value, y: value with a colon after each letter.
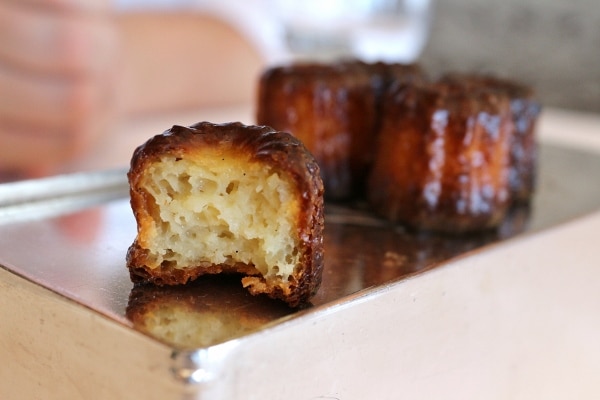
x: 73, y: 245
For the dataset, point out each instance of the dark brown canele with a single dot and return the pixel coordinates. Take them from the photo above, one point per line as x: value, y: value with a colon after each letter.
x: 214, y: 198
x: 442, y: 158
x: 525, y: 110
x: 334, y: 110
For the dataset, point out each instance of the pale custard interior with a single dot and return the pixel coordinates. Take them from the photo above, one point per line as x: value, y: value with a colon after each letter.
x: 219, y: 210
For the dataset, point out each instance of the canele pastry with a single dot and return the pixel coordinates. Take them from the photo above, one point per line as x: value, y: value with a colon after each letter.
x: 333, y: 109
x: 442, y: 158
x: 232, y: 198
x: 525, y: 108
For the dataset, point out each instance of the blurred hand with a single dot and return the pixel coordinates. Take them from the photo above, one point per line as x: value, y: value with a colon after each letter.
x: 57, y: 75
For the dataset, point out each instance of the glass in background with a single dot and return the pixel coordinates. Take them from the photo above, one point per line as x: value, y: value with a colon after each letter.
x: 371, y: 30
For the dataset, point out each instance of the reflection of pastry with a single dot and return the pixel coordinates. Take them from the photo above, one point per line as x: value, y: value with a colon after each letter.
x: 228, y: 198
x: 442, y: 158
x: 525, y: 110
x: 203, y: 313
x: 333, y: 109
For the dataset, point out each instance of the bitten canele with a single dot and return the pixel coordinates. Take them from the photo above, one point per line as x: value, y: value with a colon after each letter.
x: 228, y: 198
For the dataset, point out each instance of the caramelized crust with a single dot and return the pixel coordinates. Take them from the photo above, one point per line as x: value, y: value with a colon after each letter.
x: 334, y: 110
x: 442, y: 158
x: 525, y: 109
x: 214, y: 198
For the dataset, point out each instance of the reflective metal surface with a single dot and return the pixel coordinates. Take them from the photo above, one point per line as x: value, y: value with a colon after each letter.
x: 38, y: 198
x: 81, y: 255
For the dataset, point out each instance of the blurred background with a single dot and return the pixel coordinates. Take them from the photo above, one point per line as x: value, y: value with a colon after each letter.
x: 71, y: 73
x: 552, y: 44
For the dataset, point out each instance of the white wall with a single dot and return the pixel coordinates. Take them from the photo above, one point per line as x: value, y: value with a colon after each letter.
x: 552, y: 44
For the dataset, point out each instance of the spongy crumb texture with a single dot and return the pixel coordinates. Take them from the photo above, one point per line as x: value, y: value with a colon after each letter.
x: 220, y: 209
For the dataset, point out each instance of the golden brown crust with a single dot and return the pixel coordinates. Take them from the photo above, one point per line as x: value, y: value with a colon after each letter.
x: 442, y: 158
x: 262, y: 144
x: 525, y: 109
x: 334, y: 110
